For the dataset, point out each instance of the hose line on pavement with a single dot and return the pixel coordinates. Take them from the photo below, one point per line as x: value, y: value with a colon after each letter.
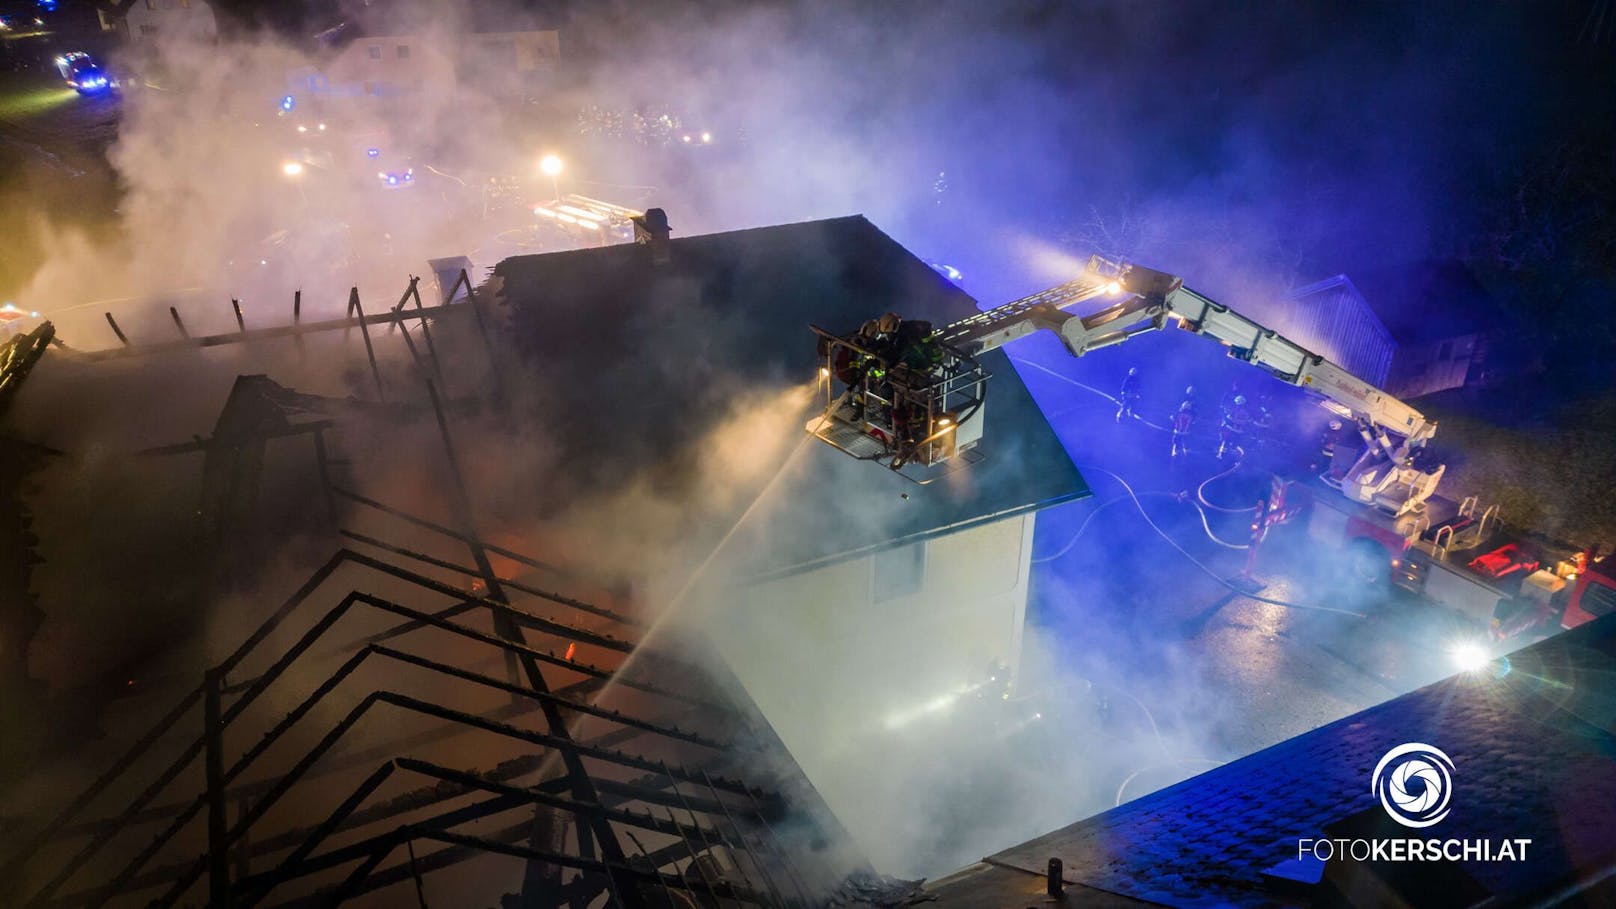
x: 1089, y: 388
x: 1201, y: 565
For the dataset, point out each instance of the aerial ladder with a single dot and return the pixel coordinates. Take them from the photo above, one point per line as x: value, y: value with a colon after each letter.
x: 914, y: 418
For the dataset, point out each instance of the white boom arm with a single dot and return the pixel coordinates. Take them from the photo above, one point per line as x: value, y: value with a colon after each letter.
x: 1147, y: 300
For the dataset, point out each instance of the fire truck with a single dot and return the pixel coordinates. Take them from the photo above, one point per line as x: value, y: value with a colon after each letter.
x: 913, y: 398
x: 1465, y: 558
x: 592, y: 221
x: 1594, y: 594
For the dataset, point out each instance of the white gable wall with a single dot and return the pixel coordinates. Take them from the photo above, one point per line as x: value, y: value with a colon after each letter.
x: 853, y: 679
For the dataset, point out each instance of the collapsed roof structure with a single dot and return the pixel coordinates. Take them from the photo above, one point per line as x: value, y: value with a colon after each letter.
x: 433, y: 708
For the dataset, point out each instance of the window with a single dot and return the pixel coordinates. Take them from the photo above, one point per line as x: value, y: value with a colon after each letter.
x: 403, y: 52
x: 899, y: 572
x: 1597, y: 599
x: 375, y: 51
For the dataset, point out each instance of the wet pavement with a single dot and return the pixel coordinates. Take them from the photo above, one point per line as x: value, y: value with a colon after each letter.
x: 1131, y: 588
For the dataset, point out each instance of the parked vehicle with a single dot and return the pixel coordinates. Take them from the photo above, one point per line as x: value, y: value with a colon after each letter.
x: 81, y: 71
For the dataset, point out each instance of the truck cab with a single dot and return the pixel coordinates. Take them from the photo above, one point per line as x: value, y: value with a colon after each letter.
x: 1594, y: 594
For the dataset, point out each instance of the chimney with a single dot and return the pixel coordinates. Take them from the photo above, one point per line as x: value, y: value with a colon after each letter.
x: 651, y: 229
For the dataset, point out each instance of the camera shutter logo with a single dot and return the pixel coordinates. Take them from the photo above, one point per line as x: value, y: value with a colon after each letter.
x: 1414, y: 782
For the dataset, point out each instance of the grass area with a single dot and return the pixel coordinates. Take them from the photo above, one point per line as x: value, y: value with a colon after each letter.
x: 31, y: 94
x: 1545, y: 453
x: 41, y: 125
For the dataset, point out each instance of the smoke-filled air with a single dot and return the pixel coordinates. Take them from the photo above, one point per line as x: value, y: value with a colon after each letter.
x: 623, y: 431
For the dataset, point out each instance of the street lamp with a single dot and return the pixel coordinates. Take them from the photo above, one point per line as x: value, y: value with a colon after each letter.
x: 550, y: 166
x: 294, y: 172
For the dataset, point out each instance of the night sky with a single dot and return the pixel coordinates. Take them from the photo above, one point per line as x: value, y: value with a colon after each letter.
x: 1371, y: 132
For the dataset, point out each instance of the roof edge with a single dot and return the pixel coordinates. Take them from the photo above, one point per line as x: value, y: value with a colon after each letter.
x: 920, y: 537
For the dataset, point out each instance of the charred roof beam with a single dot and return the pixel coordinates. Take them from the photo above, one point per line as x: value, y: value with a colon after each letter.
x: 301, y: 861
x: 518, y: 586
x: 354, y: 319
x: 395, y: 699
x: 235, y: 709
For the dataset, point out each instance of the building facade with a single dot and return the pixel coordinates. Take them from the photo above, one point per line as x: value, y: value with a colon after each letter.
x: 1412, y: 330
x: 147, y: 20
x: 407, y: 65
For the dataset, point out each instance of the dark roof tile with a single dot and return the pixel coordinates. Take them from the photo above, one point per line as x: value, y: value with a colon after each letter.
x: 1534, y: 756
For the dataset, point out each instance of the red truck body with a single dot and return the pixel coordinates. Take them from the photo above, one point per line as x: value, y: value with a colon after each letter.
x: 1594, y: 596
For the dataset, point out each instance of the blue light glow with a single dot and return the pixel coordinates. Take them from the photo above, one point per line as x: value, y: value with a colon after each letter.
x: 288, y: 102
x: 373, y: 152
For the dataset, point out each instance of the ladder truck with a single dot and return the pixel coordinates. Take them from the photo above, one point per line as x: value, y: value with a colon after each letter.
x: 923, y: 416
x: 928, y: 416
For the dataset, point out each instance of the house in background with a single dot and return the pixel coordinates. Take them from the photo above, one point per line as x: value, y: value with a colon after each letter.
x: 1332, y: 318
x: 408, y: 52
x: 145, y: 20
x: 383, y: 67
x: 1412, y: 329
x: 508, y: 53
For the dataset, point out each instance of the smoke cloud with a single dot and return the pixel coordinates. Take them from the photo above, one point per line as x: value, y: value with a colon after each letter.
x: 1008, y: 141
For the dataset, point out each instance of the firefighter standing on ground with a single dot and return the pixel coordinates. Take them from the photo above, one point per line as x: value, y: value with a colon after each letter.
x: 1233, y: 428
x: 1226, y: 404
x: 1129, y: 396
x: 1181, y: 428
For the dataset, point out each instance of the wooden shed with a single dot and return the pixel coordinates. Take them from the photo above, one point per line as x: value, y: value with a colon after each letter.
x: 1411, y: 329
x: 1332, y: 318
